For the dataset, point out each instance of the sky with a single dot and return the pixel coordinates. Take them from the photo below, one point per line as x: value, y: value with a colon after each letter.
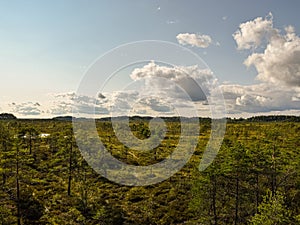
x: 251, y: 48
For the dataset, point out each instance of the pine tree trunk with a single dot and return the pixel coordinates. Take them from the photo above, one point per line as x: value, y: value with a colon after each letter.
x: 18, y: 189
x: 236, y: 201
x: 70, y: 170
x: 84, y: 194
x: 30, y: 145
x: 214, y: 200
x: 257, y: 191
x: 3, y: 179
x: 274, y: 172
x: 4, y: 173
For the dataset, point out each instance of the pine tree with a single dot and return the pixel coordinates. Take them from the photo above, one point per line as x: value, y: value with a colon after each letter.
x: 272, y: 211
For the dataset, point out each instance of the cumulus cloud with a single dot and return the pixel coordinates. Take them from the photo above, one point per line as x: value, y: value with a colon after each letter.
x: 240, y: 99
x: 26, y: 108
x: 60, y: 108
x: 121, y: 102
x: 66, y: 103
x: 197, y: 40
x: 156, y: 104
x: 251, y: 34
x: 118, y: 103
x: 279, y: 62
x: 275, y: 54
x: 177, y: 82
x: 259, y: 98
x: 157, y: 90
x: 252, y: 100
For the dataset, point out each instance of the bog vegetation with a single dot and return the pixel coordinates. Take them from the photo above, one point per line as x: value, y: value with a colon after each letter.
x: 255, y: 178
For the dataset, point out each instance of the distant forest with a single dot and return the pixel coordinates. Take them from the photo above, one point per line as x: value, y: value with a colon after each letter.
x: 269, y: 118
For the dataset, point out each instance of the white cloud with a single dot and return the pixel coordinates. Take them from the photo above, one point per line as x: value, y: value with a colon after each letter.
x: 66, y: 103
x: 253, y: 100
x: 156, y: 104
x: 259, y: 98
x: 172, y: 21
x: 118, y: 103
x: 252, y: 33
x: 157, y: 90
x: 163, y: 90
x: 26, y: 108
x: 60, y: 108
x: 177, y: 82
x: 198, y: 40
x: 121, y: 102
x: 279, y: 62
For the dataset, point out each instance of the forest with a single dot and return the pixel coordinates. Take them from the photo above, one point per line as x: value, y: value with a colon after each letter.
x: 255, y: 178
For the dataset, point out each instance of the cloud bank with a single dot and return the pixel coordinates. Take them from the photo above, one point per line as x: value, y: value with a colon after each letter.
x: 158, y: 90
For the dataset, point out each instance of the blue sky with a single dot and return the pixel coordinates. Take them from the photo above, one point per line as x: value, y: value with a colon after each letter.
x: 46, y: 46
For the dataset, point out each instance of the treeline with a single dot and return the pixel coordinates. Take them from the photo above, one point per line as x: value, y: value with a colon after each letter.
x: 271, y: 118
x: 7, y: 116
